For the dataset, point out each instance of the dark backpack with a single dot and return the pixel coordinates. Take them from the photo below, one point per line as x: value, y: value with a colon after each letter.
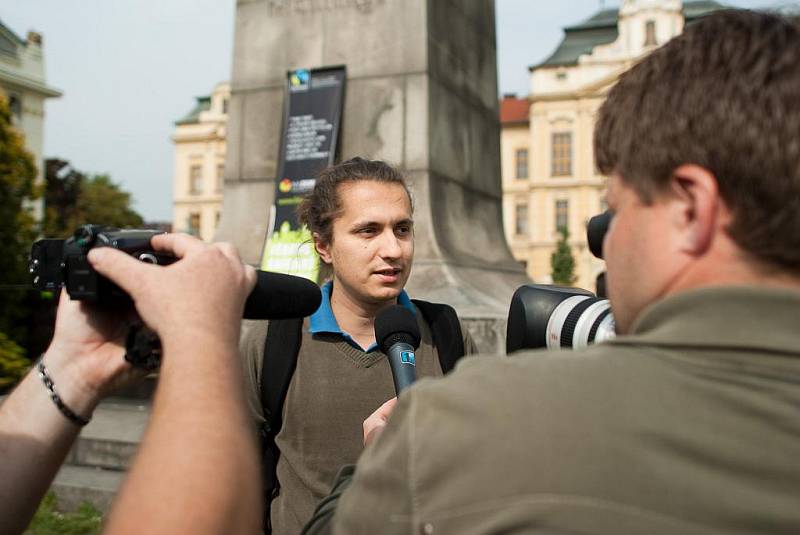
x: 280, y: 359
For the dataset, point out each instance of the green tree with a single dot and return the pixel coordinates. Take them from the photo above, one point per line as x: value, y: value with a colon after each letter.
x: 562, y: 263
x: 74, y: 199
x: 62, y: 189
x: 13, y: 363
x: 17, y: 226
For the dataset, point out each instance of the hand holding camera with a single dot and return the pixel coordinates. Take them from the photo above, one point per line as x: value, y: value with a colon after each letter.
x: 108, y: 278
x: 185, y: 300
x: 110, y: 271
x: 56, y: 263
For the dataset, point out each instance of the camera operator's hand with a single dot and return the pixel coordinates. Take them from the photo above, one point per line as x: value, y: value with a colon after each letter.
x: 85, y: 361
x: 199, y: 428
x: 86, y: 355
x: 203, y: 291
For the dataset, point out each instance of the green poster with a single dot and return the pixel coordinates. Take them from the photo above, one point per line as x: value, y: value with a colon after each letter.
x: 291, y: 252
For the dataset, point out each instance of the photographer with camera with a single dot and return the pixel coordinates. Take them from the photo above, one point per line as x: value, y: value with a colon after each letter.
x: 688, y: 422
x: 197, y: 468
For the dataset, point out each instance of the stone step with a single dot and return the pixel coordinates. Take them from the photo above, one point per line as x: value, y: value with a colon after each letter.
x: 141, y: 390
x: 75, y: 485
x: 95, y: 467
x: 111, y: 439
x: 98, y: 453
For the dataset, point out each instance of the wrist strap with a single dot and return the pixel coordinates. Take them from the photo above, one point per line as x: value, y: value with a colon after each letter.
x: 77, y: 419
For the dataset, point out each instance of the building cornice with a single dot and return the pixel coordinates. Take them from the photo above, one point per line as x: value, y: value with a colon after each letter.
x: 596, y: 88
x: 186, y: 200
x: 560, y: 182
x: 188, y: 137
x: 513, y: 124
x: 30, y: 84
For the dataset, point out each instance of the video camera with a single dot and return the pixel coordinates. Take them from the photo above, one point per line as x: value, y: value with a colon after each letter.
x: 543, y: 315
x: 55, y: 263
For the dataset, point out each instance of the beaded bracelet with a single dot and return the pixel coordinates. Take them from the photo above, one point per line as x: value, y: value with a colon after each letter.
x: 51, y: 387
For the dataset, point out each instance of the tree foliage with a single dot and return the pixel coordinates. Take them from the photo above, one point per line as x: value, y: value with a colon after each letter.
x: 562, y: 263
x: 74, y: 199
x: 17, y: 226
x: 13, y: 364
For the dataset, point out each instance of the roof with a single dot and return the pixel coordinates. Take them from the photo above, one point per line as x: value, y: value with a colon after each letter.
x: 601, y: 29
x: 202, y: 104
x: 513, y: 110
x: 9, y: 40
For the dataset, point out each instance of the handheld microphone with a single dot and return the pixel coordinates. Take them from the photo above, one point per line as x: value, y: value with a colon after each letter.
x: 397, y: 334
x: 278, y: 296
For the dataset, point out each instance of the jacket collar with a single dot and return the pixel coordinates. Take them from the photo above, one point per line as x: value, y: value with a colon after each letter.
x: 745, y: 317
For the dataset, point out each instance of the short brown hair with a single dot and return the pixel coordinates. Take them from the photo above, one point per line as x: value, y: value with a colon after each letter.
x: 320, y: 207
x: 724, y: 95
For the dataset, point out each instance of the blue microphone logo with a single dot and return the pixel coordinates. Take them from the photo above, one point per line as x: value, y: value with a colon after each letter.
x: 407, y: 357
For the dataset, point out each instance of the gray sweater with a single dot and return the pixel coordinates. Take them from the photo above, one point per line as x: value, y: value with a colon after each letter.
x: 334, y: 388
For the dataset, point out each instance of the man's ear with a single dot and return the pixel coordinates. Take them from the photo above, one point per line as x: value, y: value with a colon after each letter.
x: 323, y: 249
x: 698, y: 207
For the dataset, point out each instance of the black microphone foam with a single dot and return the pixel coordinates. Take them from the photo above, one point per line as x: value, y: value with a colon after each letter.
x: 396, y: 324
x: 278, y: 296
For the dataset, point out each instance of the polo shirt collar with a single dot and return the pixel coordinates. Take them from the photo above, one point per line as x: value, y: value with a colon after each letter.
x: 323, y: 320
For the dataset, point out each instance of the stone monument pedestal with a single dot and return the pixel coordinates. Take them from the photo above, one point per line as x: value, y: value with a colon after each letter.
x: 421, y: 94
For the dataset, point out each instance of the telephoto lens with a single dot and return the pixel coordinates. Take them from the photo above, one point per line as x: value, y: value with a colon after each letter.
x: 549, y: 316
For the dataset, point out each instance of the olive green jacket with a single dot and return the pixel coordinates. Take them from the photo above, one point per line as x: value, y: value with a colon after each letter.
x: 689, y: 425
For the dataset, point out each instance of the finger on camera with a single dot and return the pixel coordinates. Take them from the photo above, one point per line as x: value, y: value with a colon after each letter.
x: 120, y: 268
x: 178, y: 244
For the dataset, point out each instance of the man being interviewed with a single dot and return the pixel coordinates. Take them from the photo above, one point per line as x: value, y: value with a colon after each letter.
x: 360, y: 215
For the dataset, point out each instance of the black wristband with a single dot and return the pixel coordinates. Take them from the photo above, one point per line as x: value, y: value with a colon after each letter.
x: 77, y: 419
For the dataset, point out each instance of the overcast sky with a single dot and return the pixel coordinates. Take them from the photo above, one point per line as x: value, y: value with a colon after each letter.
x: 130, y: 68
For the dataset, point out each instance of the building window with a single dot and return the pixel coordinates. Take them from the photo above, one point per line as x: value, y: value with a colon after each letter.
x: 220, y: 177
x: 650, y: 33
x: 561, y: 164
x: 225, y: 106
x: 521, y: 219
x: 194, y: 224
x: 562, y: 215
x: 522, y: 163
x: 195, y: 179
x: 15, y: 107
x: 561, y: 75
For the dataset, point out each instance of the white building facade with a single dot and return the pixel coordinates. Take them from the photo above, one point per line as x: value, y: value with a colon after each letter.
x: 23, y: 81
x: 562, y: 187
x: 200, y: 165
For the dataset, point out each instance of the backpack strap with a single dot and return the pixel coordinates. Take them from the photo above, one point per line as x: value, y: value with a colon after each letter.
x: 281, y: 346
x: 446, y: 331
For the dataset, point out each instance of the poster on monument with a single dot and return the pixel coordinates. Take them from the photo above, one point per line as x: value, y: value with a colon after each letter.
x: 311, y: 119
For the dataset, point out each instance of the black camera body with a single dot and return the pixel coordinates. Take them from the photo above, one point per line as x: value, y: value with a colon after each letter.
x: 55, y: 263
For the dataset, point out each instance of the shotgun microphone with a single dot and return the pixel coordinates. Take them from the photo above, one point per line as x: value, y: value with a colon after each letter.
x: 279, y: 296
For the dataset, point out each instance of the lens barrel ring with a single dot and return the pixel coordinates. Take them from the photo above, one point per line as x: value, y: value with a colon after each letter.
x: 571, y: 321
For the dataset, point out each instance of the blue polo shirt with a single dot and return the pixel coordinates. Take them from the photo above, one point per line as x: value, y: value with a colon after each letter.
x: 323, y: 320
